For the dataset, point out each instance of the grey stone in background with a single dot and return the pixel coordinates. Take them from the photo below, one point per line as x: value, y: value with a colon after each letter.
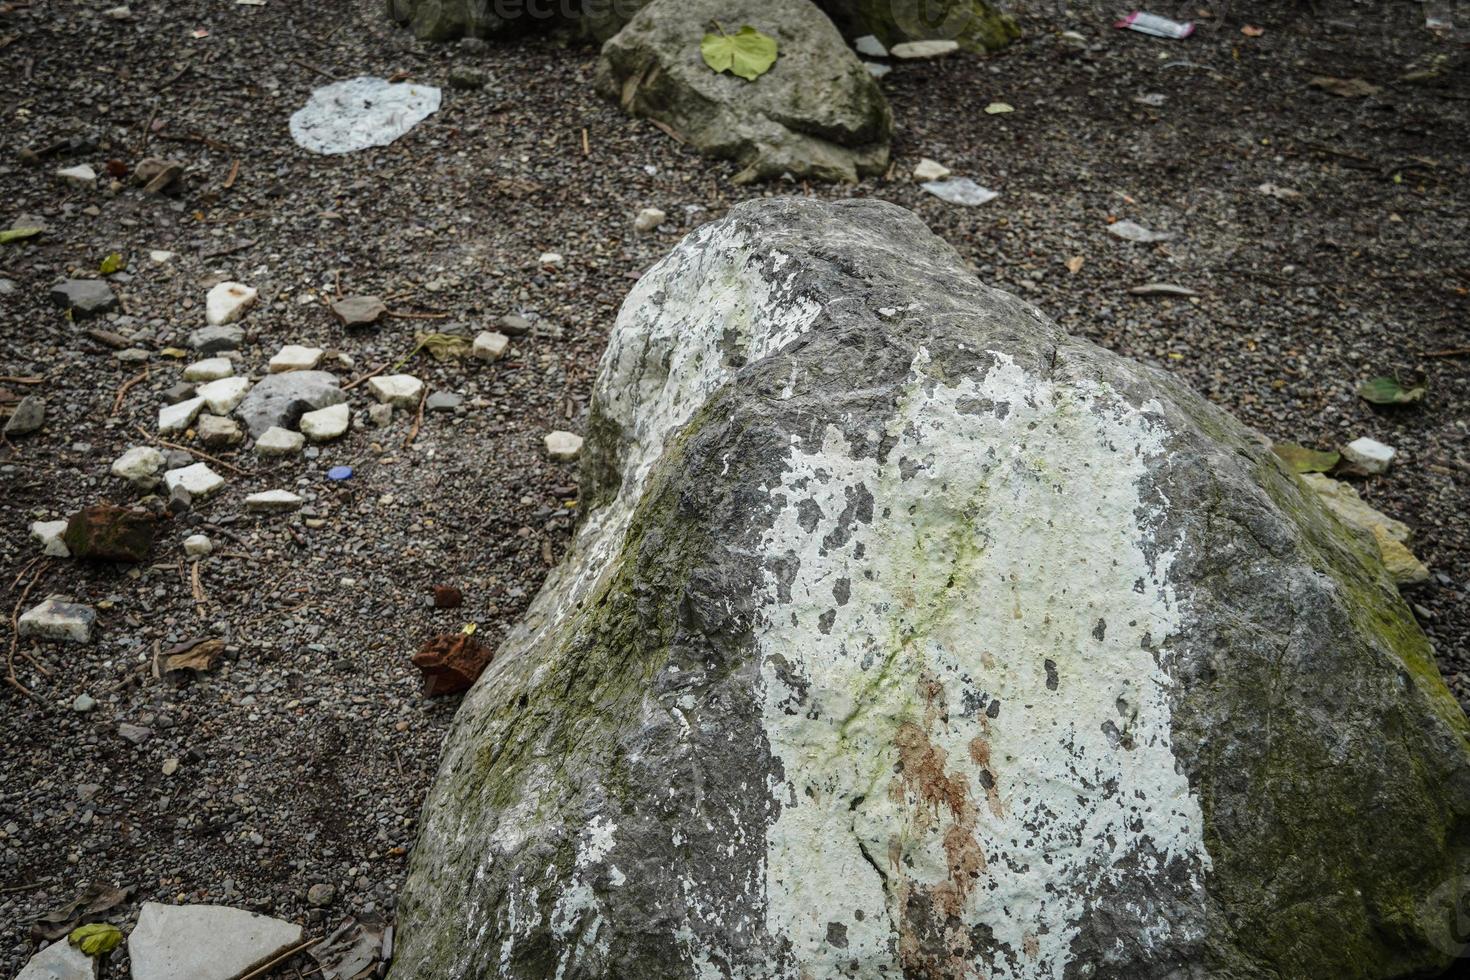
x: 816, y: 114
x: 84, y: 297
x: 28, y: 416
x: 281, y: 399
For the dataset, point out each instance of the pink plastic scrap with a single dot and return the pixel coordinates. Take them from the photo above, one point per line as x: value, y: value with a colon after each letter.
x: 1156, y: 25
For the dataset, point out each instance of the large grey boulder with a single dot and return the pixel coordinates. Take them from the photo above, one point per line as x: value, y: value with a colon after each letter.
x: 817, y: 113
x: 906, y: 636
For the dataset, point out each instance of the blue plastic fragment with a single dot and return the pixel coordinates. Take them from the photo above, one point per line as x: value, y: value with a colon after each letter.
x: 339, y: 473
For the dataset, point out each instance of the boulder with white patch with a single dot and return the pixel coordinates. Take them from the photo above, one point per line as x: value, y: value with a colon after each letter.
x: 932, y: 642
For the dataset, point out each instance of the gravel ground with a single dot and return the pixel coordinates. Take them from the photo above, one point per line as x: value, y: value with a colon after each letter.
x: 305, y: 757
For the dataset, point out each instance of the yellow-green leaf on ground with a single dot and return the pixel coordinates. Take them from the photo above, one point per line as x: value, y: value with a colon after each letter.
x: 1301, y: 459
x: 1388, y: 391
x: 17, y: 234
x: 747, y: 53
x: 111, y: 264
x: 96, y: 938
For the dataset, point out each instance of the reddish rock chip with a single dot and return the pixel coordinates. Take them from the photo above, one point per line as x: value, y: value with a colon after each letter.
x: 110, y: 533
x: 447, y: 597
x: 450, y: 662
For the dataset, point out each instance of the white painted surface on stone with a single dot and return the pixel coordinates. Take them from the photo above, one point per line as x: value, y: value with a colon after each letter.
x: 361, y: 112
x: 703, y: 323
x: 204, y: 942
x: 59, y: 961
x: 223, y: 396
x: 198, y: 479
x: 228, y: 302
x: 1005, y: 548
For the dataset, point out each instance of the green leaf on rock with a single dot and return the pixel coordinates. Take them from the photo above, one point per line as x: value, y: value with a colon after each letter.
x: 17, y: 234
x: 111, y: 264
x: 95, y: 939
x: 1388, y: 391
x: 747, y: 53
x: 1300, y: 459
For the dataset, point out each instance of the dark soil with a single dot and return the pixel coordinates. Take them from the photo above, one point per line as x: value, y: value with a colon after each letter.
x: 305, y: 757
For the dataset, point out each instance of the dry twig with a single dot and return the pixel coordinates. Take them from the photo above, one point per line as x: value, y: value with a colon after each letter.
x: 195, y: 452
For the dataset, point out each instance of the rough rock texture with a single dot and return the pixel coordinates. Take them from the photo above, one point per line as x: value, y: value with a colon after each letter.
x: 817, y: 113
x: 905, y: 635
x: 108, y: 533
x: 450, y: 662
x: 279, y: 400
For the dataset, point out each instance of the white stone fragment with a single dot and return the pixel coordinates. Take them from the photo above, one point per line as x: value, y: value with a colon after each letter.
x: 870, y: 46
x: 173, y: 419
x: 1369, y: 455
x: 161, y: 256
x: 294, y: 357
x: 139, y: 466
x: 81, y: 175
x: 648, y: 219
x: 910, y: 50
x: 198, y: 479
x: 224, y: 396
x: 401, y: 390
x: 960, y: 190
x: 552, y: 259
x: 277, y: 441
x: 326, y: 423
x: 227, y: 302
x: 209, y: 369
x: 204, y: 942
x: 490, y: 345
x: 563, y: 446
x: 218, y: 431
x: 49, y: 533
x: 59, y: 961
x: 928, y: 169
x: 57, y: 619
x: 197, y: 545
x: 272, y: 502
